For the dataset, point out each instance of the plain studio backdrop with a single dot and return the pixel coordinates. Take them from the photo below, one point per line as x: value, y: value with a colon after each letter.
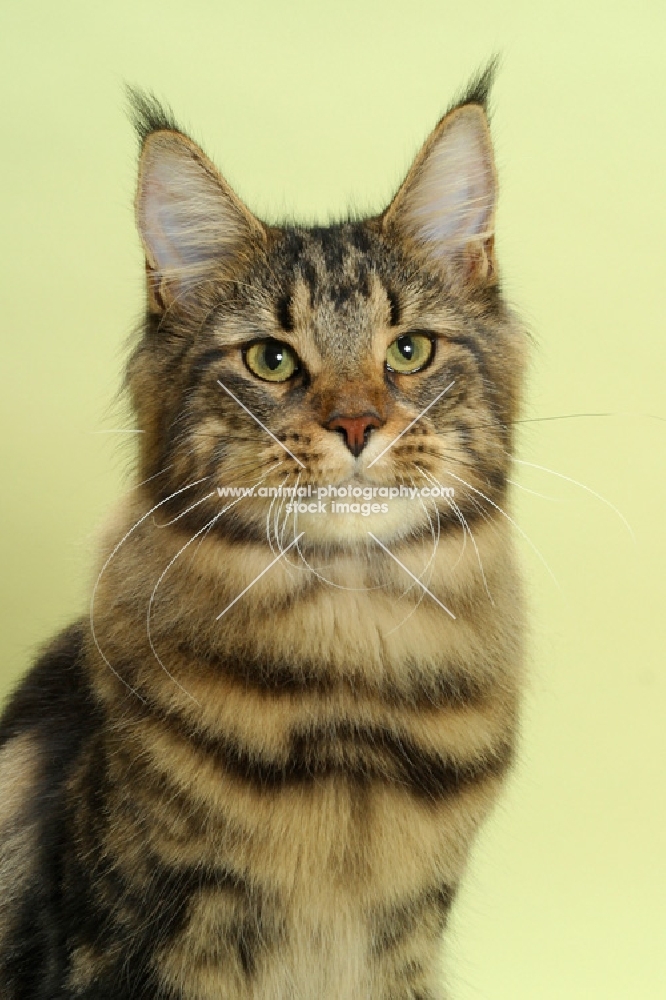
x: 310, y: 109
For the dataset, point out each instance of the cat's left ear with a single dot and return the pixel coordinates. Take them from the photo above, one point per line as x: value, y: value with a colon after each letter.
x: 446, y: 205
x: 191, y: 222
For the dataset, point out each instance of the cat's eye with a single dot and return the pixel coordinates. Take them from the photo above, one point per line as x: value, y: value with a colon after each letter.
x: 271, y: 360
x: 409, y: 353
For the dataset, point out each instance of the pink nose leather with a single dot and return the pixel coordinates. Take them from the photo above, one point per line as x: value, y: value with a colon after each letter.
x: 356, y: 430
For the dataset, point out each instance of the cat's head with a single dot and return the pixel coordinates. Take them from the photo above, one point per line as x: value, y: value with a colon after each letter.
x: 373, y: 352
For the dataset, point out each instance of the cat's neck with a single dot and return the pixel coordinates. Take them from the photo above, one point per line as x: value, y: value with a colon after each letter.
x: 354, y: 617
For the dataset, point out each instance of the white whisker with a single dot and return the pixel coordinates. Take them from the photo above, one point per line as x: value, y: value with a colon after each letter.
x: 469, y: 531
x: 423, y: 572
x: 588, y: 489
x: 268, y: 516
x: 104, y: 567
x: 202, y: 531
x: 184, y: 512
x: 466, y: 531
x: 164, y: 572
x: 280, y: 543
x: 464, y: 534
x: 534, y: 493
x: 511, y: 521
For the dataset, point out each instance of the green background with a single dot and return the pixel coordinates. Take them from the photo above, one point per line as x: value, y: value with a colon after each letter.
x: 309, y: 109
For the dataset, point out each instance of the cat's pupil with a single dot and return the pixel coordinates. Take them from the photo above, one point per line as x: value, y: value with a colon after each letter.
x: 273, y: 356
x: 406, y: 347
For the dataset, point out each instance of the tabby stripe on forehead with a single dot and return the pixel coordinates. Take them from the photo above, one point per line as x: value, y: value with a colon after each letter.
x: 284, y: 313
x: 358, y: 753
x: 395, y: 311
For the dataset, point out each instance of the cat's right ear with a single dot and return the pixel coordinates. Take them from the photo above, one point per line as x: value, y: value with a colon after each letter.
x: 190, y: 221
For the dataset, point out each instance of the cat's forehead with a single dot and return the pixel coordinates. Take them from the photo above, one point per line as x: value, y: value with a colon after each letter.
x: 338, y: 282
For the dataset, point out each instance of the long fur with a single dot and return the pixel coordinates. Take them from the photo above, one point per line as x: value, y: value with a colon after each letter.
x: 274, y: 796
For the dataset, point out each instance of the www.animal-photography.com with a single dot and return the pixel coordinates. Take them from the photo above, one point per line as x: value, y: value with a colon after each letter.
x: 334, y: 440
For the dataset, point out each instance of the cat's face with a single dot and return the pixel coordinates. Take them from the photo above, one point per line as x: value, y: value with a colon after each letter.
x: 368, y: 354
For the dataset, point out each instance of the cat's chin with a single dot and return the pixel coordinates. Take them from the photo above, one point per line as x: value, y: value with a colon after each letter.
x: 339, y: 526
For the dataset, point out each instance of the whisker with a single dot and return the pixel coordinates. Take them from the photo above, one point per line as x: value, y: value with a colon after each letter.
x: 567, y: 416
x: 466, y: 531
x: 211, y: 525
x: 543, y: 496
x: 573, y: 416
x: 480, y: 509
x: 173, y: 520
x: 103, y: 570
x: 588, y: 489
x: 510, y: 520
x: 288, y: 564
x: 268, y: 525
x: 434, y: 539
x: 279, y: 532
x: 268, y: 514
x: 150, y: 478
x: 469, y: 531
x: 425, y: 569
x: 205, y: 529
x: 164, y: 572
x: 463, y: 525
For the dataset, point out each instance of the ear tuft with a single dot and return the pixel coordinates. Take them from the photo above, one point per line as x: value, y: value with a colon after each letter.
x: 478, y: 89
x: 148, y: 114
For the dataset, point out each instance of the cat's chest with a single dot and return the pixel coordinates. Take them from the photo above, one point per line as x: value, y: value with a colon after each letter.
x: 315, y: 946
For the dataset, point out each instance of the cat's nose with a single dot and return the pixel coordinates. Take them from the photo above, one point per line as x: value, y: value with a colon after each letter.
x: 355, y: 430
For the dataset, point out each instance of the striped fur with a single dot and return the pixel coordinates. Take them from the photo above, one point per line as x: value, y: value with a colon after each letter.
x: 275, y: 797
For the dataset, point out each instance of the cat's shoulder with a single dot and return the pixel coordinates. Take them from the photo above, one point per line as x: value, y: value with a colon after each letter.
x: 44, y: 723
x: 52, y: 693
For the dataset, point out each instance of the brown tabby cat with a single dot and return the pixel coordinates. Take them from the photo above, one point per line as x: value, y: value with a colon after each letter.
x: 255, y: 771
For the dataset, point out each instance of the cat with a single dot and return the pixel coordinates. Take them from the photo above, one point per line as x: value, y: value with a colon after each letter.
x: 255, y: 770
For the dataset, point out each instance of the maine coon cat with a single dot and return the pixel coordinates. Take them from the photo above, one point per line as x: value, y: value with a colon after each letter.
x: 255, y: 770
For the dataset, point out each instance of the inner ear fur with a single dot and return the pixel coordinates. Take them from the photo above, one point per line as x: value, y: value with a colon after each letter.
x: 445, y: 208
x: 190, y: 221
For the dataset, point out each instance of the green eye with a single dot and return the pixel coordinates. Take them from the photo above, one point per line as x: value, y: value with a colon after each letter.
x: 409, y: 353
x: 271, y: 360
